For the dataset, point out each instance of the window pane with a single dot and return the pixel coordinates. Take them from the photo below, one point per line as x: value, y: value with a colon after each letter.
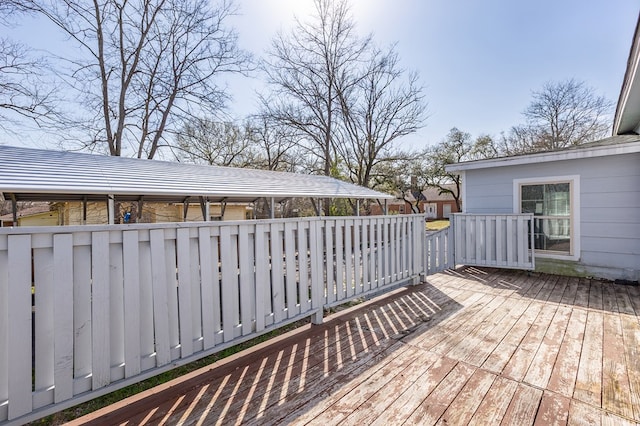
x: 556, y: 199
x: 551, y: 206
x: 552, y: 234
x: 532, y: 197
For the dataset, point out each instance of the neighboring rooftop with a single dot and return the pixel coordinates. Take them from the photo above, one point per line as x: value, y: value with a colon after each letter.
x: 33, y: 174
x: 624, y: 144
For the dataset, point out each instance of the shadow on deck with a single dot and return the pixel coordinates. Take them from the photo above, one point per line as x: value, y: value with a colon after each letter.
x: 473, y: 345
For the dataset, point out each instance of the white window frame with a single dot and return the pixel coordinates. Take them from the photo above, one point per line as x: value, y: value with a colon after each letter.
x: 574, y: 191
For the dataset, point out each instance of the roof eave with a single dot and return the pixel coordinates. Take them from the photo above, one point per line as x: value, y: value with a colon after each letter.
x: 545, y: 157
x: 627, y: 116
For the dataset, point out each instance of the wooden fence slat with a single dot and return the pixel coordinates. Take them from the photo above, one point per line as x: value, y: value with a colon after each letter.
x: 44, y: 289
x: 81, y: 310
x: 348, y: 257
x: 277, y: 278
x: 100, y: 309
x: 317, y: 283
x: 509, y: 238
x: 379, y: 253
x: 499, y: 248
x: 116, y: 308
x: 217, y: 285
x: 247, y: 277
x: 340, y: 258
x: 147, y: 344
x: 160, y: 298
x: 263, y: 281
x: 19, y: 334
x: 387, y: 237
x: 521, y: 235
x: 206, y: 286
x: 196, y: 291
x: 170, y: 265
x: 131, y: 270
x: 331, y: 281
x: 184, y: 293
x: 292, y: 306
x: 372, y: 253
x: 366, y: 283
x: 63, y: 316
x: 357, y: 261
x: 303, y: 259
x: 229, y: 282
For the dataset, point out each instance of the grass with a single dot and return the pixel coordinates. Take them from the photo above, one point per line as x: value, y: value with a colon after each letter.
x: 437, y: 225
x: 120, y: 394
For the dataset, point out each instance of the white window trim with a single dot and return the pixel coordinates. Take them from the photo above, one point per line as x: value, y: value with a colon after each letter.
x: 575, y: 210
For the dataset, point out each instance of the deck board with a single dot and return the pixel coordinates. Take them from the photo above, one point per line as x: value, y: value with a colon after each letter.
x: 472, y: 346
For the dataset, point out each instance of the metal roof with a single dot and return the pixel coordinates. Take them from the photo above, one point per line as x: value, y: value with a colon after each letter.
x: 34, y: 174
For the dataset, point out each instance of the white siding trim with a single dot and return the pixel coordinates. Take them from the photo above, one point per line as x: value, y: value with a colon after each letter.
x: 575, y: 210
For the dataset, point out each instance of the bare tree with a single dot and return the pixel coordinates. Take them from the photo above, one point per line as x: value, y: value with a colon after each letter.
x: 276, y: 145
x: 305, y: 67
x: 456, y: 147
x: 378, y: 109
x: 144, y: 66
x: 24, y: 91
x: 215, y: 143
x: 560, y: 115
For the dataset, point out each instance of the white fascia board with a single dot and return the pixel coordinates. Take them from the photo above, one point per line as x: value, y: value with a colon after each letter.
x: 545, y: 157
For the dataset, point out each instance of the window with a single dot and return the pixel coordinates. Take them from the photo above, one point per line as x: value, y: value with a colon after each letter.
x: 553, y: 202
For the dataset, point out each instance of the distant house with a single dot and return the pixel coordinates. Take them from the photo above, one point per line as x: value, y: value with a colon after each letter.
x: 434, y: 204
x: 585, y: 199
x: 40, y: 214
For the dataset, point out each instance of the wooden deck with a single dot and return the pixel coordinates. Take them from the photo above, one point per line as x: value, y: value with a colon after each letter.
x: 472, y: 346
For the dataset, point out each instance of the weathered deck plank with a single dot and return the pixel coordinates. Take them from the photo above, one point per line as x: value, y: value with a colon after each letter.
x: 474, y: 346
x: 589, y: 381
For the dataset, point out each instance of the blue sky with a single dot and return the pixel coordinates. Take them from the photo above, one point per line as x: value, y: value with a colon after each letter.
x: 478, y: 60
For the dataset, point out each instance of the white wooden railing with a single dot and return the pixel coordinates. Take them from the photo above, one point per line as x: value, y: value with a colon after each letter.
x: 87, y: 310
x: 502, y: 241
x: 438, y: 251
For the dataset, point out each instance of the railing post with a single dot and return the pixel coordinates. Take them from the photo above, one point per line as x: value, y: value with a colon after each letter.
x: 419, y: 237
x: 317, y: 272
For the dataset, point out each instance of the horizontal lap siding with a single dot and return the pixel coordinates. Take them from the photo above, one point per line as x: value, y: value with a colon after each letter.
x: 609, y: 204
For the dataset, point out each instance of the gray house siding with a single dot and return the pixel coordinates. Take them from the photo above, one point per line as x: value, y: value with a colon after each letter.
x: 609, y: 206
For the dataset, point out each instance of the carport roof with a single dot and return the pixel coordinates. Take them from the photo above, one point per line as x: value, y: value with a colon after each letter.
x: 34, y: 174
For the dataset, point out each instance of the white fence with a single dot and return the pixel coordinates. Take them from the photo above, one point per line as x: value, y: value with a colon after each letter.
x: 502, y: 241
x: 87, y: 310
x: 438, y: 251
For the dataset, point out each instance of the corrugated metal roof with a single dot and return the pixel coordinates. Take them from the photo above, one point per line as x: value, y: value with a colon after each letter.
x: 56, y: 175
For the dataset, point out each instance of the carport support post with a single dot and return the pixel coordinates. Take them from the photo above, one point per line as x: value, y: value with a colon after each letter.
x: 111, y: 209
x: 84, y: 210
x: 205, y: 207
x: 14, y: 209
